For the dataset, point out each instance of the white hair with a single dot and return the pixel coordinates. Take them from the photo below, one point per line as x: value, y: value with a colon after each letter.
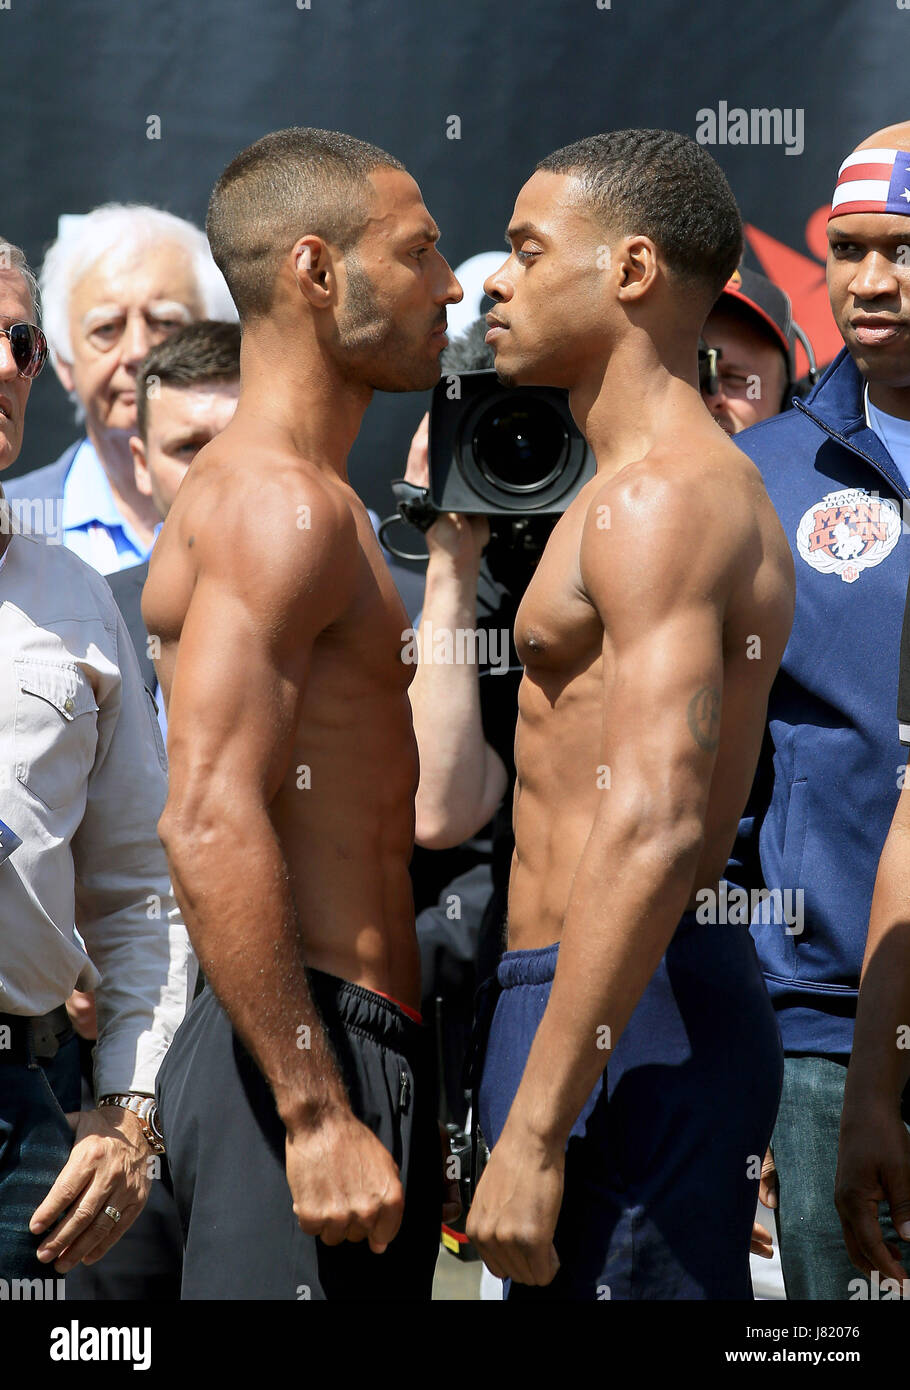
x: 12, y: 257
x: 117, y: 231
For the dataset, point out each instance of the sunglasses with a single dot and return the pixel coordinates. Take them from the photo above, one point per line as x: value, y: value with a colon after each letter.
x: 28, y: 346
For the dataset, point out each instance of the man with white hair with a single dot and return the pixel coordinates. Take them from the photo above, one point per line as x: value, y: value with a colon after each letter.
x: 115, y: 283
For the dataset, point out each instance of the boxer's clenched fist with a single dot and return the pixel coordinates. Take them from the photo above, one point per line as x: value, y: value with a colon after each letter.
x: 344, y: 1182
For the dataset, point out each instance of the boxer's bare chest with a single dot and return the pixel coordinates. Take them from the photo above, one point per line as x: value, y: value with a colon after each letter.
x: 362, y: 647
x: 165, y: 601
x: 375, y: 627
x: 557, y: 628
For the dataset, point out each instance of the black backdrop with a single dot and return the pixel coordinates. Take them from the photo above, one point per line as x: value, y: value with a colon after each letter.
x: 79, y: 80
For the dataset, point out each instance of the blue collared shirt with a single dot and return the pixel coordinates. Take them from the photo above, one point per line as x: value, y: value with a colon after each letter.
x: 92, y: 526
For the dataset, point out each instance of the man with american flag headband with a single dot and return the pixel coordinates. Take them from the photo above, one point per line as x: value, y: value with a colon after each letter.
x: 873, y: 1179
x: 837, y: 468
x: 872, y: 180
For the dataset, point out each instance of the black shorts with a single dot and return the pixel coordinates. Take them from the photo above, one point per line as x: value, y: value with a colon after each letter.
x: 226, y: 1152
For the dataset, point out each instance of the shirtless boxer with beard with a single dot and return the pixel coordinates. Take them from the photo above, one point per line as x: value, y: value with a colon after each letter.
x: 296, y: 1100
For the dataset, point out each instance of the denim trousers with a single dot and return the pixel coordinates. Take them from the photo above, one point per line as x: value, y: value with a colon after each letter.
x: 35, y: 1142
x: 813, y: 1255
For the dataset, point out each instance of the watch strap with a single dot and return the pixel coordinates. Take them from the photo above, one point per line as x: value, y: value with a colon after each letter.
x: 145, y: 1109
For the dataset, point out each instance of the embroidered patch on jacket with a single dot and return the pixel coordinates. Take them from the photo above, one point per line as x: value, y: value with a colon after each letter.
x: 847, y: 532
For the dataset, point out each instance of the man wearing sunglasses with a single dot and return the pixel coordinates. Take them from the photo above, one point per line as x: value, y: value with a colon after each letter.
x: 82, y: 781
x: 28, y: 346
x: 24, y: 349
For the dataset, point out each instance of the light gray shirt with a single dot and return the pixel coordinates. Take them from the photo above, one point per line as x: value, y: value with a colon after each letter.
x: 86, y: 900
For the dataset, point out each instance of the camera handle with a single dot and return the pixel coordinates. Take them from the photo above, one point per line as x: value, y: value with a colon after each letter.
x: 414, y: 509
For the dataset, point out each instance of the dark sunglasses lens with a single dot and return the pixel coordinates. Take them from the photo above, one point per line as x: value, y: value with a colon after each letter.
x: 29, y: 348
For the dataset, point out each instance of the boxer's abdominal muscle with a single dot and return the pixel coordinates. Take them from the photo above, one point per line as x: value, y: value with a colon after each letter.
x: 559, y: 786
x: 348, y: 838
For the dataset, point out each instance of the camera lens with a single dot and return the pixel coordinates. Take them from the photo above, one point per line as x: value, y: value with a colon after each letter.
x: 520, y: 446
x: 505, y: 451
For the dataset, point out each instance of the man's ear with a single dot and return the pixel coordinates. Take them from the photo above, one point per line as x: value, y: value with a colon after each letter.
x: 637, y: 263
x: 311, y: 262
x: 140, y: 465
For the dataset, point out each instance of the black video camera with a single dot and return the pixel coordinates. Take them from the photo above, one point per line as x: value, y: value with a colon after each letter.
x: 510, y: 453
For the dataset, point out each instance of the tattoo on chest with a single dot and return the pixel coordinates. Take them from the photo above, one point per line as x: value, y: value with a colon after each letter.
x: 704, y: 717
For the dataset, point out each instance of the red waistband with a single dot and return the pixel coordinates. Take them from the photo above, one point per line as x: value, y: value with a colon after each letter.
x: 405, y: 1008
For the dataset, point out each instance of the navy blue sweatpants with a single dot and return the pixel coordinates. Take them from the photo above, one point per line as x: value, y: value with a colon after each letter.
x: 662, y: 1164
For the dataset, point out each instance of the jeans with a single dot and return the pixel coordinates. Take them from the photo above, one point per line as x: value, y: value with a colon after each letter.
x: 812, y: 1251
x: 35, y: 1142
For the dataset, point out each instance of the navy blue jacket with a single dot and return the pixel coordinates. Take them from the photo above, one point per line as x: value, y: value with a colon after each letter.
x: 829, y: 775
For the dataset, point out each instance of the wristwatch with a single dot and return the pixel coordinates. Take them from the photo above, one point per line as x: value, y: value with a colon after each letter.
x: 145, y: 1109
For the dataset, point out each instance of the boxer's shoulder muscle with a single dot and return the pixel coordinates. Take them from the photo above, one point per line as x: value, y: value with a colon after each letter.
x: 269, y: 548
x: 661, y: 525
x: 272, y: 525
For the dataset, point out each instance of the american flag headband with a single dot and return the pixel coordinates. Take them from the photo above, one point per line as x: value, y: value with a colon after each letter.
x: 873, y: 181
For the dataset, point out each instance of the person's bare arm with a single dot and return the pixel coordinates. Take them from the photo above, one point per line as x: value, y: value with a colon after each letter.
x: 462, y: 778
x: 265, y: 590
x: 661, y: 608
x: 874, y: 1154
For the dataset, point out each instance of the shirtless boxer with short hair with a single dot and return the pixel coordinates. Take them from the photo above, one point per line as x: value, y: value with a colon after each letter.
x: 650, y: 632
x: 290, y: 818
